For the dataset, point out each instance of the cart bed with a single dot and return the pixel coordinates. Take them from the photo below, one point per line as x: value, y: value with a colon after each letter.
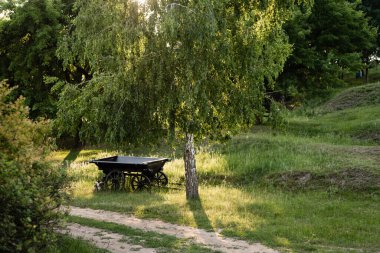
x: 130, y: 163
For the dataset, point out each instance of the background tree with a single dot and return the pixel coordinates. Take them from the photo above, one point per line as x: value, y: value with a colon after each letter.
x: 330, y: 39
x: 28, y: 44
x: 372, y: 9
x: 192, y: 69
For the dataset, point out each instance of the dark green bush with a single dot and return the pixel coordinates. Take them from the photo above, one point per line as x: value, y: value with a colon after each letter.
x: 31, y: 190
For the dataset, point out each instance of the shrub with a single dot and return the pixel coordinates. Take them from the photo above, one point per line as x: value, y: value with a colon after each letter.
x: 31, y: 190
x: 276, y: 116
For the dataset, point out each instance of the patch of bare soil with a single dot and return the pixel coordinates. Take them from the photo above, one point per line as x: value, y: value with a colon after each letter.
x: 211, y: 240
x: 112, y: 242
x: 348, y: 179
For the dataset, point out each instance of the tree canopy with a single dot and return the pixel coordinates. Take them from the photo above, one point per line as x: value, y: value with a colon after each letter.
x: 330, y: 39
x: 196, y: 66
x: 28, y: 44
x: 372, y: 10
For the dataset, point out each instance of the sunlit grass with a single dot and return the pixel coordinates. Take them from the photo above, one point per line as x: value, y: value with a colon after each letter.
x: 238, y: 200
x: 356, y: 126
x: 275, y: 218
x: 280, y: 219
x: 235, y: 202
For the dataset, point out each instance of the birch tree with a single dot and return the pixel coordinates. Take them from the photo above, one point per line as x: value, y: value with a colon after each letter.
x: 185, y: 69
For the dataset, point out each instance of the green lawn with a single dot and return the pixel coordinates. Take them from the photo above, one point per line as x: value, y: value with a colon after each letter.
x: 246, y: 184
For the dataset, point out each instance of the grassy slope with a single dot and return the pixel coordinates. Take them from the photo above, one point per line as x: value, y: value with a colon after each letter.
x: 238, y: 198
x: 352, y: 116
x: 351, y: 126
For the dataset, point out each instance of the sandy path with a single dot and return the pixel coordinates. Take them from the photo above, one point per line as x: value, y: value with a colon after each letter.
x: 113, y: 242
x: 209, y: 239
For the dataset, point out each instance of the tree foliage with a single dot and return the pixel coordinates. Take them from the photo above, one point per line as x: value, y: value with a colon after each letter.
x: 329, y: 39
x: 30, y: 189
x: 28, y: 44
x: 191, y: 66
x: 171, y: 69
x: 372, y: 10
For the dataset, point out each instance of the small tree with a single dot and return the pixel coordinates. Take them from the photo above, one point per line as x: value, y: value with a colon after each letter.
x: 190, y: 69
x: 30, y: 190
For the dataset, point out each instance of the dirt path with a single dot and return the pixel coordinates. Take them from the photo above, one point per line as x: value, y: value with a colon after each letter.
x: 209, y: 239
x: 113, y: 242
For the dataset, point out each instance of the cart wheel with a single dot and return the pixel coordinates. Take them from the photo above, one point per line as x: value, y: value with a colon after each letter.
x: 140, y: 183
x: 114, y: 181
x: 160, y: 179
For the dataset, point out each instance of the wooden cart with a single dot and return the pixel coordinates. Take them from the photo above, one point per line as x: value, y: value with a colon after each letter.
x: 142, y: 172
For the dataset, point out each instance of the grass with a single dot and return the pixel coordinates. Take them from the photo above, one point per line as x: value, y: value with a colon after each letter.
x: 68, y: 244
x: 233, y: 199
x: 360, y: 125
x: 162, y: 243
x: 280, y: 219
x: 364, y: 95
x: 239, y: 198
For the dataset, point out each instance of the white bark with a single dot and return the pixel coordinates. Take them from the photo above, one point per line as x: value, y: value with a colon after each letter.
x: 190, y: 168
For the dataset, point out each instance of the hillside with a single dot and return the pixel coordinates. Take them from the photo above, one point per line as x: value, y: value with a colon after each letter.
x: 359, y: 96
x: 351, y: 116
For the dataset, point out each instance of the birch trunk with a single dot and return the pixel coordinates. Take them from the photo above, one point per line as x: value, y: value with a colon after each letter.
x: 190, y: 168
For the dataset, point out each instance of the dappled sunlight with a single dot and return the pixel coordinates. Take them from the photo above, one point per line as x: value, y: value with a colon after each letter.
x: 234, y: 204
x: 87, y: 155
x: 58, y: 156
x: 140, y: 2
x: 209, y: 166
x: 282, y: 241
x: 213, y: 162
x: 221, y: 208
x: 272, y: 217
x: 84, y: 155
x: 231, y: 208
x: 82, y: 189
x: 84, y: 171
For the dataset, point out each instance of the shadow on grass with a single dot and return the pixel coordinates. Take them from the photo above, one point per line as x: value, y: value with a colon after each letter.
x: 199, y: 214
x: 149, y: 205
x: 71, y: 157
